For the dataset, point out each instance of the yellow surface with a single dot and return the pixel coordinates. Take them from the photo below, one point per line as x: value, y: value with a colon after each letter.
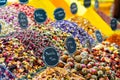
x: 90, y: 14
x: 96, y: 20
x: 44, y: 4
x: 106, y: 7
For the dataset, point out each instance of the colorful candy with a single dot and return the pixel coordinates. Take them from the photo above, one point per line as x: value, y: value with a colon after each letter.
x: 115, y: 38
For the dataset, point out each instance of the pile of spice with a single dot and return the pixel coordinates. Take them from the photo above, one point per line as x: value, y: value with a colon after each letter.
x: 5, y: 28
x: 29, y: 11
x: 57, y: 73
x: 85, y: 25
x: 102, y: 62
x: 72, y: 28
x: 115, y: 38
x: 22, y: 53
x: 56, y: 36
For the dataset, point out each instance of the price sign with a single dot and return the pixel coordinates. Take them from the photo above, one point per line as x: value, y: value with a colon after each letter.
x: 71, y: 45
x: 23, y: 1
x: 3, y: 2
x: 113, y: 24
x: 96, y: 4
x: 50, y: 56
x: 73, y: 8
x: 40, y: 15
x: 0, y: 28
x: 22, y: 19
x: 87, y: 3
x: 98, y: 36
x: 59, y: 14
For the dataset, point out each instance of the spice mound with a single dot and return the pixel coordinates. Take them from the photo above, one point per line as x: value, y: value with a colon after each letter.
x: 57, y: 73
x: 115, y: 38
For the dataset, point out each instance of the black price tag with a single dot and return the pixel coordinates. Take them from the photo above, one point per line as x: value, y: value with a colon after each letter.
x: 73, y: 8
x: 3, y: 2
x: 113, y: 24
x: 98, y: 36
x: 59, y: 14
x: 50, y: 56
x: 96, y: 4
x: 22, y: 19
x: 0, y: 28
x: 87, y: 3
x: 71, y: 45
x: 40, y: 15
x: 23, y: 1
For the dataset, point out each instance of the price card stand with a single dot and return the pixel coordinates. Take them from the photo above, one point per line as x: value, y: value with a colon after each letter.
x: 40, y: 16
x: 96, y: 4
x: 113, y: 24
x: 3, y: 3
x: 73, y: 8
x: 98, y: 36
x: 23, y: 1
x: 87, y: 3
x: 23, y: 21
x: 70, y: 45
x: 50, y: 56
x: 0, y: 28
x: 59, y: 14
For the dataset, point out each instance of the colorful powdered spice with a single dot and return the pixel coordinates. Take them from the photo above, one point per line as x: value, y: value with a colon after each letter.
x: 115, y: 38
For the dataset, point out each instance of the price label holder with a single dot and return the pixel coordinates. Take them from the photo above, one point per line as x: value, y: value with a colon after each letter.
x: 23, y: 1
x: 40, y: 15
x: 3, y: 3
x: 87, y: 3
x: 113, y: 24
x: 96, y: 4
x: 50, y: 56
x: 73, y: 8
x: 98, y: 36
x: 23, y: 21
x: 0, y: 28
x: 59, y: 14
x: 70, y: 45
